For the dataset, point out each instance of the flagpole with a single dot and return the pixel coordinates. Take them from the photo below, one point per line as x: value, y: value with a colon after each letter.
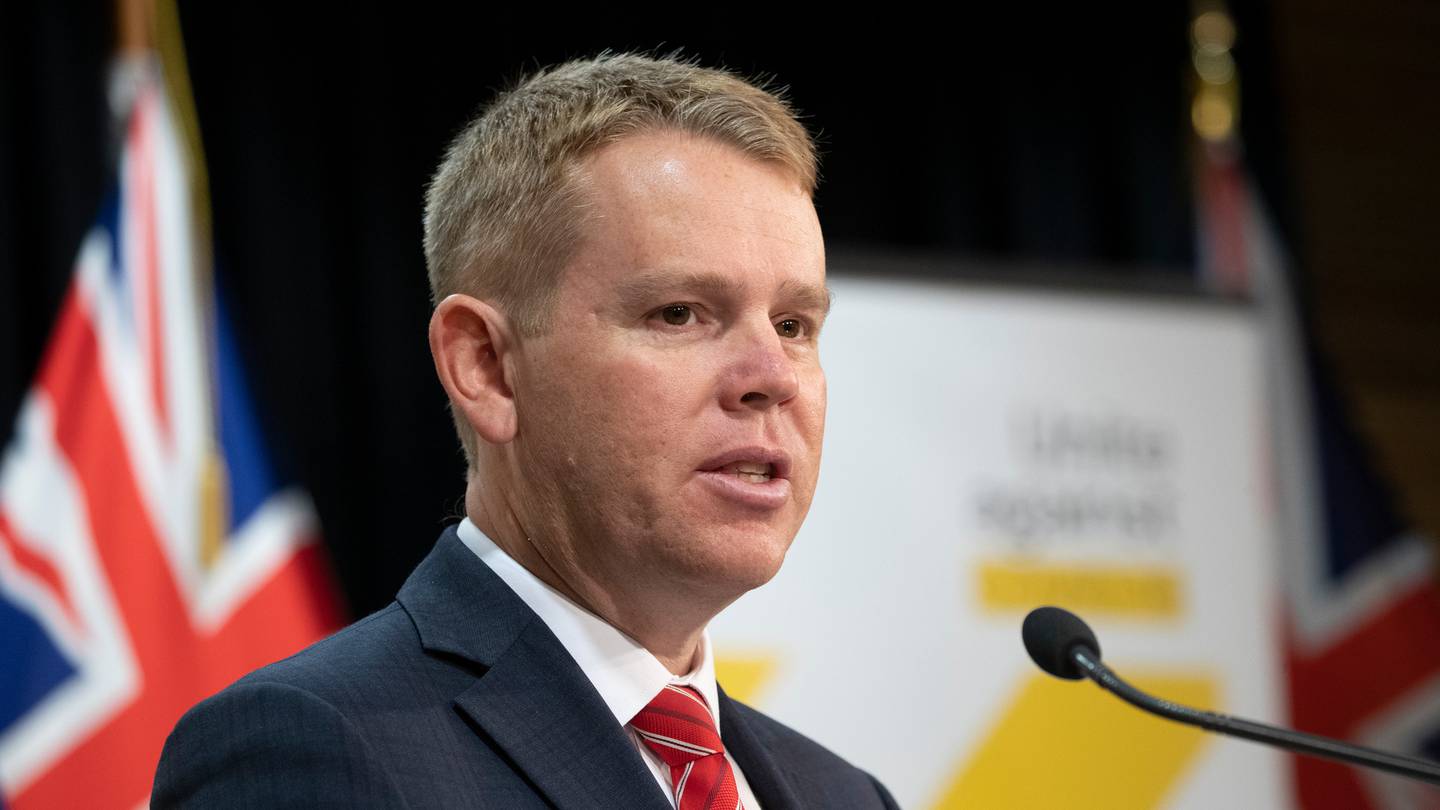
x: 148, y: 37
x: 134, y: 22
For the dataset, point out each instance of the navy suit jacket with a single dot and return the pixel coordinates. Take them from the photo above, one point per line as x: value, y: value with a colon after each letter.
x: 456, y: 695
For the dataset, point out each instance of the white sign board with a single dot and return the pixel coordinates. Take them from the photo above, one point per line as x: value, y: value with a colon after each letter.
x: 989, y: 450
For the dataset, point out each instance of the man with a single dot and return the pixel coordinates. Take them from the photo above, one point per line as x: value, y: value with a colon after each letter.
x: 630, y: 280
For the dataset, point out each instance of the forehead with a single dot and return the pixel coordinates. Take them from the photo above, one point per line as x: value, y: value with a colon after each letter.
x: 665, y: 201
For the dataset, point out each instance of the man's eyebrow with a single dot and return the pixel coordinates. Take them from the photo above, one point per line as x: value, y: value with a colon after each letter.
x: 814, y: 297
x: 646, y: 289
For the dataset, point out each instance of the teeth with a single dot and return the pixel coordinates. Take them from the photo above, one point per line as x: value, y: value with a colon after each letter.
x: 753, y: 471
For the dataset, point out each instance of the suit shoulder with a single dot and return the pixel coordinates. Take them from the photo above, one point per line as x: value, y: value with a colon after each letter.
x: 316, y: 708
x: 351, y: 660
x: 267, y: 744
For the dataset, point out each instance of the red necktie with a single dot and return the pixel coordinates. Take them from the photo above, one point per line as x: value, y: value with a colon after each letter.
x: 677, y: 726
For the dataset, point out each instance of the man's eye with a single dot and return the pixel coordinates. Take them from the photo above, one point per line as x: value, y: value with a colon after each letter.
x: 789, y: 328
x: 677, y: 314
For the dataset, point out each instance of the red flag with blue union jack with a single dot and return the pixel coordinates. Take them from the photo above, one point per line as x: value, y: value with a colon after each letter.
x: 149, y: 555
x: 1362, y: 599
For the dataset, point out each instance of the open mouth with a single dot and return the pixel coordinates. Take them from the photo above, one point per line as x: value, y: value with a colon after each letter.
x: 754, y: 465
x: 754, y: 477
x: 754, y: 472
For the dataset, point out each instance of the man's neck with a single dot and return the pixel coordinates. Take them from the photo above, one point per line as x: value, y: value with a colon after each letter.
x: 672, y: 635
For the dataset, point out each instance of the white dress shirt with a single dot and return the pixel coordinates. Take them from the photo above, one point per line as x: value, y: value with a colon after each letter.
x: 625, y: 674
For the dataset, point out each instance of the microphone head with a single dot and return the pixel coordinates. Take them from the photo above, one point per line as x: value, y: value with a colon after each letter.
x: 1050, y: 633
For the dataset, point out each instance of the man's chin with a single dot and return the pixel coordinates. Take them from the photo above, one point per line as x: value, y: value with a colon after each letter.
x: 737, y: 562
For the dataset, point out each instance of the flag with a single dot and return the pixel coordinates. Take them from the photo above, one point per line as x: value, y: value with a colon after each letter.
x: 1361, y: 599
x: 149, y: 555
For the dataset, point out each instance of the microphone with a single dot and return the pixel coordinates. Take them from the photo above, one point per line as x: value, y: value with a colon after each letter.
x: 1060, y: 643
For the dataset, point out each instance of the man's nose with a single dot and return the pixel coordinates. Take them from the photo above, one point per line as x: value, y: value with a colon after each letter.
x: 761, y: 373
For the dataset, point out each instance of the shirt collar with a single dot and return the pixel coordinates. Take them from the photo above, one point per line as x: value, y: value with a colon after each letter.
x: 625, y: 674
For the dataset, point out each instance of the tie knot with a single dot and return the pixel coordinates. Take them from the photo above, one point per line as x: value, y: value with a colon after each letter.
x: 677, y: 725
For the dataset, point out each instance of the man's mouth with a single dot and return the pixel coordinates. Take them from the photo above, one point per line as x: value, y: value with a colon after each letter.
x: 753, y: 471
x: 754, y: 477
x: 753, y: 465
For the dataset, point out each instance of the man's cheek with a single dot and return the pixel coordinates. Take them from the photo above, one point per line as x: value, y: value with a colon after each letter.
x: 639, y: 383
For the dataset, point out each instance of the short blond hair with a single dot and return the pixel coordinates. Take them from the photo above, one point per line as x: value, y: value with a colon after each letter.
x: 503, y: 211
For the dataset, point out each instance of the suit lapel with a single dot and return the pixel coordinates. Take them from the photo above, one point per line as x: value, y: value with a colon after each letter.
x: 768, y: 779
x: 533, y: 701
x: 537, y: 705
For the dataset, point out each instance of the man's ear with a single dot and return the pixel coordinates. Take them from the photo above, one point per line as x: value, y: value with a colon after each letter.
x: 469, y: 340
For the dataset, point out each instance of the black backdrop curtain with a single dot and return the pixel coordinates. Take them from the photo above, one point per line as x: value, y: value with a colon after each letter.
x: 1015, y: 136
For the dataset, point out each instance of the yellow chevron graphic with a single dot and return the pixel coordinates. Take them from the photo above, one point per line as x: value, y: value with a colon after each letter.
x: 744, y: 677
x: 1064, y: 744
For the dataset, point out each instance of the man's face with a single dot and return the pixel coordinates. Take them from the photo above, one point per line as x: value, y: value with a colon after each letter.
x: 670, y: 420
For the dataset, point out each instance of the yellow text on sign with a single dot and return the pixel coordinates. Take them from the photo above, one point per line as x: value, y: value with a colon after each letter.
x: 1068, y: 744
x: 1115, y: 590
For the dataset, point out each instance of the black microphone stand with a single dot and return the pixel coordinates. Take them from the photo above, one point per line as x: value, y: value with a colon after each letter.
x: 1088, y: 661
